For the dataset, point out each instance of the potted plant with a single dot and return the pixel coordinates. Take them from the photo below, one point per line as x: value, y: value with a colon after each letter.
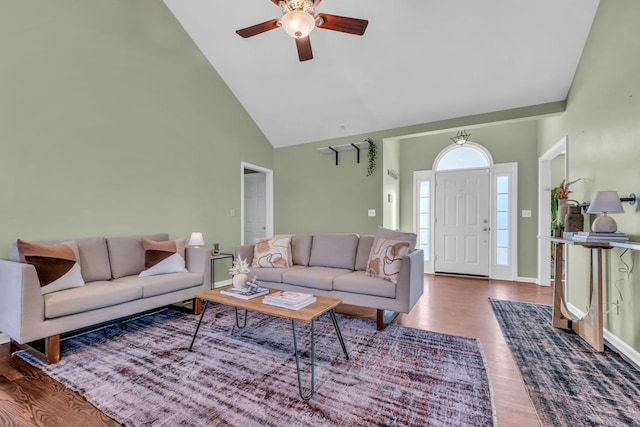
x: 559, y: 197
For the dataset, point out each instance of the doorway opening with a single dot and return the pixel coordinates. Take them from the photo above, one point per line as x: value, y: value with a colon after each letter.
x: 552, y: 167
x: 256, y: 203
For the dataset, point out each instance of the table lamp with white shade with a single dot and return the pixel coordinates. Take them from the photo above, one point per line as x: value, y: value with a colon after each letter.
x: 605, y: 202
x: 196, y: 239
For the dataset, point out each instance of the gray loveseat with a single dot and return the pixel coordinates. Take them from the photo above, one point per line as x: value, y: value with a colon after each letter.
x: 110, y: 268
x: 334, y: 265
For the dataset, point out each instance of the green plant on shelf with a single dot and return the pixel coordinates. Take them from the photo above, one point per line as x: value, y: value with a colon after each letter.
x: 373, y: 155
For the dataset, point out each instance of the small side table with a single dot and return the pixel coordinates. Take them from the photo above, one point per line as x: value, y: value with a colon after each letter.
x: 214, y: 258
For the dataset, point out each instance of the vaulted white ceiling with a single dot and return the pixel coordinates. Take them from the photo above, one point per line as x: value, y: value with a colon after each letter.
x: 419, y: 61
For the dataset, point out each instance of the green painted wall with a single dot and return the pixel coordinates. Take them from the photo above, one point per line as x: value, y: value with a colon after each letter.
x: 507, y: 143
x: 112, y: 122
x: 313, y: 195
x: 603, y: 124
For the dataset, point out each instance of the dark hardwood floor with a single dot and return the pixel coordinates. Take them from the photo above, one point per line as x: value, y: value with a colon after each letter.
x: 452, y: 305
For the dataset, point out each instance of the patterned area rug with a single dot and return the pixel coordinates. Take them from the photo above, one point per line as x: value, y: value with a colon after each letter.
x: 140, y: 372
x: 569, y: 383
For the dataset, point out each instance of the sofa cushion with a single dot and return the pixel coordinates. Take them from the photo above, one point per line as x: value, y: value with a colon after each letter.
x: 162, y: 284
x: 274, y: 252
x: 56, y: 265
x: 163, y: 257
x: 313, y: 277
x: 92, y: 296
x: 126, y: 254
x: 357, y: 282
x: 385, y: 259
x: 94, y: 257
x: 334, y: 250
x: 269, y: 274
x: 301, y: 249
x: 364, y: 249
x: 387, y: 233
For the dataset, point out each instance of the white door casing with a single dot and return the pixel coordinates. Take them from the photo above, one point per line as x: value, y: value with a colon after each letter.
x: 462, y: 222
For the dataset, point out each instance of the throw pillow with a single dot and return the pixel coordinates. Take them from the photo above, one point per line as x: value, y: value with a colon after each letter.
x: 57, y: 265
x: 163, y: 257
x: 272, y: 252
x: 387, y: 233
x: 385, y: 258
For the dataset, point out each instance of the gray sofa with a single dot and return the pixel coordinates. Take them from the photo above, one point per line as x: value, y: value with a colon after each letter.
x: 110, y: 268
x: 334, y: 265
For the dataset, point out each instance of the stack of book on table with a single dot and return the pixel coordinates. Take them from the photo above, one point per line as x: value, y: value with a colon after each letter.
x: 586, y: 236
x: 288, y: 299
x: 245, y: 293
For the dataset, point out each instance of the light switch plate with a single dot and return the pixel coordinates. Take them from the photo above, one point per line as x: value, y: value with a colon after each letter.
x: 371, y: 212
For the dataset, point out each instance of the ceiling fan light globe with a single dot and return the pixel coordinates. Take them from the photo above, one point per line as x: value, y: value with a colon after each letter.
x: 298, y: 24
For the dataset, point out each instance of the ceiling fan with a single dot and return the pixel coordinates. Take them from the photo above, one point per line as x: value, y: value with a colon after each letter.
x: 299, y: 19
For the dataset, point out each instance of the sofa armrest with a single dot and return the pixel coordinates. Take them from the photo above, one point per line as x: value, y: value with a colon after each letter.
x: 245, y: 252
x: 21, y: 300
x: 410, y: 285
x: 199, y: 261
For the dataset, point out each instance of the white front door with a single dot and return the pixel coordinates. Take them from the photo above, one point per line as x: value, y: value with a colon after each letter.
x: 255, y: 207
x: 462, y: 222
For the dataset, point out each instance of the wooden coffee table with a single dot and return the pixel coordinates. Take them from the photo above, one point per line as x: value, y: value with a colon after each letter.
x: 306, y: 314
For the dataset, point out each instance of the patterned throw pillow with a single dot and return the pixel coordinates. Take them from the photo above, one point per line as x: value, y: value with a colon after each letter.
x: 57, y: 265
x: 272, y: 252
x: 385, y: 258
x: 163, y: 257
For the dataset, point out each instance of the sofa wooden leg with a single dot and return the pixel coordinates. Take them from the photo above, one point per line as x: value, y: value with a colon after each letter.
x: 51, y: 353
x: 197, y: 306
x: 384, y: 318
x: 52, y: 349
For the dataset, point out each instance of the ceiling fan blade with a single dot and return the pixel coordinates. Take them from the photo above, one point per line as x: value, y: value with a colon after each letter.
x: 343, y: 24
x: 304, y: 49
x: 258, y: 28
x: 276, y: 2
x: 316, y: 3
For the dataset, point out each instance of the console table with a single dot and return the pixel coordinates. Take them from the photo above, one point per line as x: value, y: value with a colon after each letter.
x: 590, y: 326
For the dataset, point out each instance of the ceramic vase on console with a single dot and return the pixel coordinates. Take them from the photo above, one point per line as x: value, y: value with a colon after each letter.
x: 239, y: 280
x: 574, y: 220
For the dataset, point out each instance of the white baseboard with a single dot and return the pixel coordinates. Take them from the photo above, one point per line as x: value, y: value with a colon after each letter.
x: 630, y: 353
x: 527, y: 279
x: 4, y: 338
x: 222, y: 283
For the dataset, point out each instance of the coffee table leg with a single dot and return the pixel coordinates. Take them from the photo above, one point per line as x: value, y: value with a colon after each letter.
x: 206, y: 303
x: 335, y: 325
x: 238, y: 320
x: 313, y: 357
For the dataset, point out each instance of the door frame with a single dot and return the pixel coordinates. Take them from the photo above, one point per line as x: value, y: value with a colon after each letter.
x: 544, y: 205
x: 269, y: 218
x: 495, y: 272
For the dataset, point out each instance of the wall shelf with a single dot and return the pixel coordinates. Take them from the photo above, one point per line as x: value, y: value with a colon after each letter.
x: 335, y: 149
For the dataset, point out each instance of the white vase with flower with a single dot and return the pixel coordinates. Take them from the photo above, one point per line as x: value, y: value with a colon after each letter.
x: 239, y: 272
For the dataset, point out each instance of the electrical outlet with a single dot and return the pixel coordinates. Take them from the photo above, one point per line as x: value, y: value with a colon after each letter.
x: 233, y: 212
x: 371, y: 212
x: 526, y: 213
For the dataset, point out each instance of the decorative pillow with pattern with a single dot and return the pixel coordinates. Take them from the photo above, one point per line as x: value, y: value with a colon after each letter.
x: 272, y: 252
x: 57, y: 265
x: 385, y: 258
x: 163, y: 257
